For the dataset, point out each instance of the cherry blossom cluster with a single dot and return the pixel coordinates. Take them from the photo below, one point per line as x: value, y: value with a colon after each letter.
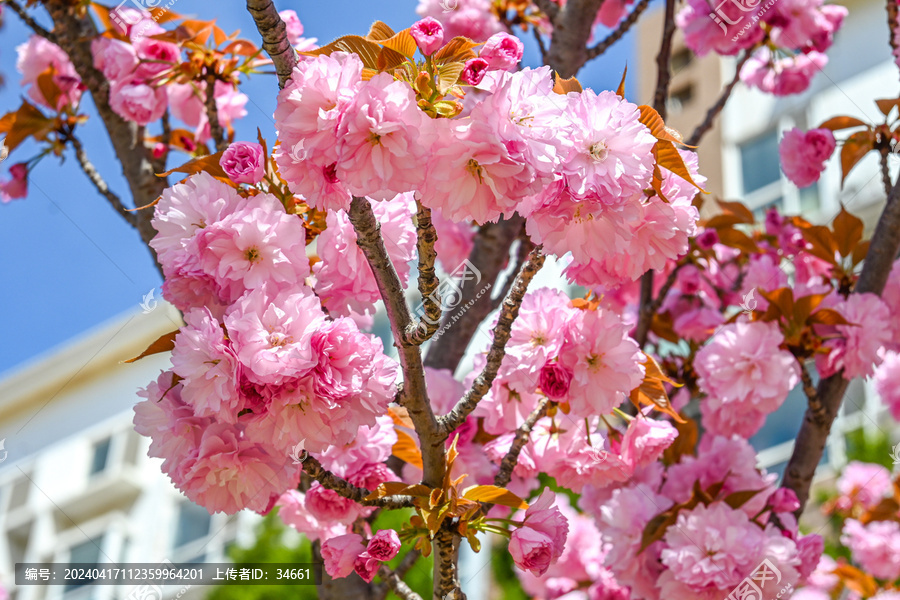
x: 576, y: 165
x: 788, y: 38
x: 135, y: 62
x: 866, y: 525
x: 259, y: 369
x: 726, y: 518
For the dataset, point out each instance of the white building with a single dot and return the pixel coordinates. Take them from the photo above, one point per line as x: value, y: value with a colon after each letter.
x: 76, y: 484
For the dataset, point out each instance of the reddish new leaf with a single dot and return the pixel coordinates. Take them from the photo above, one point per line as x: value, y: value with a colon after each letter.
x: 164, y: 343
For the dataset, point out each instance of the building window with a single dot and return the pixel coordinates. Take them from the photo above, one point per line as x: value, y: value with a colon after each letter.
x: 760, y: 164
x: 193, y: 524
x: 680, y: 59
x: 680, y: 98
x: 101, y: 456
x: 86, y: 554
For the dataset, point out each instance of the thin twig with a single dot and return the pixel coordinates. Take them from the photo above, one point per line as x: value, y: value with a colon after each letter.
x: 521, y: 438
x: 392, y: 580
x: 651, y: 304
x: 35, y: 27
x: 274, y: 35
x: 716, y: 108
x: 313, y: 468
x: 885, y: 170
x: 620, y: 30
x: 809, y: 389
x: 91, y: 171
x: 508, y: 313
x: 663, y: 62
x: 422, y: 330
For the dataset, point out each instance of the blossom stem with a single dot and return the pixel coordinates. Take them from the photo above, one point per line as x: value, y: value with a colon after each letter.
x: 508, y: 313
x: 521, y: 438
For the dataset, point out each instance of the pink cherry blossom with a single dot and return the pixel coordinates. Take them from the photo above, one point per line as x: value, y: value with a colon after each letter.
x: 744, y: 372
x: 472, y: 176
x: 366, y: 567
x: 645, y: 440
x: 454, y: 243
x: 17, y: 186
x: 540, y: 541
x: 327, y: 505
x: 784, y: 500
x: 306, y: 118
x: 383, y: 140
x: 875, y: 547
x: 606, y: 363
x: 502, y: 51
x: 803, y: 155
x: 230, y: 472
x: 887, y: 383
x: 257, y: 244
x: 155, y: 57
x: 293, y: 511
x: 272, y: 333
x: 339, y: 554
x: 184, y: 211
x: 473, y: 19
x: 782, y: 76
x: 864, y: 484
x: 429, y: 35
x: 474, y: 71
x: 344, y: 280
x: 610, y: 148
x: 206, y: 362
x: 703, y: 34
x: 188, y: 103
x: 384, y: 545
x: 134, y: 100
x: 710, y: 550
x: 859, y: 351
x: 554, y: 381
x: 244, y: 162
x: 115, y: 59
x: 293, y: 26
x: 36, y: 56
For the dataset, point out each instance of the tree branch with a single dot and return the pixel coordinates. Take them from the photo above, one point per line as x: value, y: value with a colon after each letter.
x: 29, y: 20
x: 274, y: 35
x: 414, y: 396
x: 819, y: 416
x: 619, y: 32
x: 313, y: 468
x: 716, y: 108
x: 663, y: 62
x: 489, y: 255
x: 508, y: 313
x: 74, y: 33
x: 571, y: 31
x: 649, y: 304
x: 393, y: 580
x: 429, y: 323
x: 88, y: 167
x: 446, y: 562
x: 212, y: 114
x: 549, y: 8
x: 521, y: 438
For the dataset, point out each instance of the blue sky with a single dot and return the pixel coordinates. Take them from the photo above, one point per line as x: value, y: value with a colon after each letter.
x: 69, y: 262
